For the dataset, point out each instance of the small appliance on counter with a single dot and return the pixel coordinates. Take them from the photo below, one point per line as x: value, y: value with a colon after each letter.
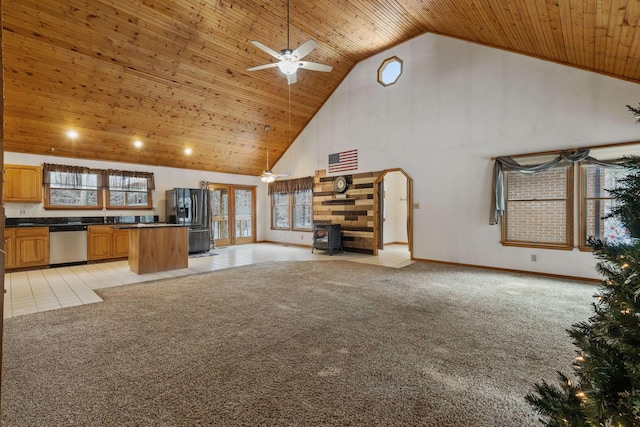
x: 190, y: 207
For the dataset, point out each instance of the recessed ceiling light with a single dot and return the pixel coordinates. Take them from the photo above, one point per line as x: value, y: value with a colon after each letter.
x: 72, y: 134
x: 137, y: 143
x: 188, y: 151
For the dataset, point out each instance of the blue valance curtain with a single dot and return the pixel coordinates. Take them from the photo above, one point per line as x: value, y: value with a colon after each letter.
x: 507, y: 163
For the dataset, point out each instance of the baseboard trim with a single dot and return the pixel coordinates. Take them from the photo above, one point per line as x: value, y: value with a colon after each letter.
x: 511, y: 270
x: 297, y: 245
x: 459, y: 264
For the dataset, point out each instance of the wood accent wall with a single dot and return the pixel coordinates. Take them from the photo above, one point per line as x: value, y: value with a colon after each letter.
x: 356, y: 210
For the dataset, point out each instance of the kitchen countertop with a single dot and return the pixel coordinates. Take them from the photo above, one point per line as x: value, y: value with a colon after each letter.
x: 147, y: 225
x: 132, y: 220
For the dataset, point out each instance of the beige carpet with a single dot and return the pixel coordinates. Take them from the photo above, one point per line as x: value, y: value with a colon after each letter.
x: 296, y: 344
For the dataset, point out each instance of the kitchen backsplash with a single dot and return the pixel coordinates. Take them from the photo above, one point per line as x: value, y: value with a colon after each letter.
x: 123, y: 219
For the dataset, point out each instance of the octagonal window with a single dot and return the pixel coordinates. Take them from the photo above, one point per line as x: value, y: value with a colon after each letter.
x: 390, y: 71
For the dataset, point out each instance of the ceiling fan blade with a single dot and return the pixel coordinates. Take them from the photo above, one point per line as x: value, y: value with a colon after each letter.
x: 304, y: 49
x: 281, y: 175
x: 263, y: 67
x: 315, y: 66
x: 267, y: 49
x: 292, y: 78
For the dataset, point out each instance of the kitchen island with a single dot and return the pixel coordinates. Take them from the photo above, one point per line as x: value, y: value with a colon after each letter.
x: 157, y: 247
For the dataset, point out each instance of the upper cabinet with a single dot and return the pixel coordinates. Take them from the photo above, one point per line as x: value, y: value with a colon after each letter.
x: 22, y: 183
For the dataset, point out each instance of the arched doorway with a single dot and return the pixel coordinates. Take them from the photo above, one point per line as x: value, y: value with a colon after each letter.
x: 394, y: 210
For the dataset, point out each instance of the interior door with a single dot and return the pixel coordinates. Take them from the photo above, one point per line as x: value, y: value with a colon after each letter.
x: 232, y: 214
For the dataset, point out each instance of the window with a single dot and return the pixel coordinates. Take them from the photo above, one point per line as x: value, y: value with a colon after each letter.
x: 596, y: 204
x: 539, y: 208
x: 280, y: 211
x: 71, y: 187
x: 291, y: 204
x: 532, y: 197
x: 76, y: 187
x: 390, y: 71
x: 291, y: 211
x: 302, y: 210
x: 129, y: 190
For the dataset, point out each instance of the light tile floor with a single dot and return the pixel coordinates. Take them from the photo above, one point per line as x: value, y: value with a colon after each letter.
x: 54, y: 288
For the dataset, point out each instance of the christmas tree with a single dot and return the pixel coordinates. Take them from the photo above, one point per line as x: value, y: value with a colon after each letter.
x: 606, y: 386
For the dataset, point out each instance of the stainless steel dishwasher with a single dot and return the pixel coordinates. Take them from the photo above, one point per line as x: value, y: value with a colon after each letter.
x: 67, y: 244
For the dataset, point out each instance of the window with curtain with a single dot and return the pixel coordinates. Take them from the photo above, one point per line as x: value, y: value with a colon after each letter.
x: 291, y: 204
x: 72, y: 187
x: 129, y: 190
x: 77, y: 187
x: 532, y: 197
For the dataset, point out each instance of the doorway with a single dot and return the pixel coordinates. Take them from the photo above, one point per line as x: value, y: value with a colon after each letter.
x: 233, y: 214
x: 395, y: 213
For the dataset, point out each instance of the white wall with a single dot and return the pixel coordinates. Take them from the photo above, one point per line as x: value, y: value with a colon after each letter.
x: 456, y: 105
x: 165, y: 179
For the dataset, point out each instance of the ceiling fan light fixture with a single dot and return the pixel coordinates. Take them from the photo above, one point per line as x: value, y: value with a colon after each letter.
x: 289, y: 60
x: 267, y: 177
x: 288, y: 66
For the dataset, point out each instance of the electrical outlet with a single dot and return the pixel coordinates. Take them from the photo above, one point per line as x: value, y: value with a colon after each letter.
x: 416, y: 206
x: 23, y: 211
x: 534, y: 257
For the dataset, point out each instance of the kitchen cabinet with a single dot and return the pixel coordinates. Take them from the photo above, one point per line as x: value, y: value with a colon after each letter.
x: 26, y: 247
x: 158, y: 248
x: 120, y: 243
x: 9, y: 247
x: 22, y: 184
x: 105, y: 242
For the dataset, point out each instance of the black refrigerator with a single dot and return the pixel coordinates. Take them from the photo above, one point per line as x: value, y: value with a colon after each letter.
x: 190, y: 207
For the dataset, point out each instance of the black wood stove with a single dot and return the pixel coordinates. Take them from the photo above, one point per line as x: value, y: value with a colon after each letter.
x: 327, y: 237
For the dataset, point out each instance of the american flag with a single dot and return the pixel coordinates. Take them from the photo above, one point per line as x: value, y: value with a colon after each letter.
x: 344, y: 161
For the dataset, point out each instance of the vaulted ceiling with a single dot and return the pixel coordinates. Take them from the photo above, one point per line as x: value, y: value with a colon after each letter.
x: 172, y: 73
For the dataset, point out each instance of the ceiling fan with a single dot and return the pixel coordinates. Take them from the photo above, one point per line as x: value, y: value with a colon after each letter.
x: 291, y: 60
x: 267, y: 174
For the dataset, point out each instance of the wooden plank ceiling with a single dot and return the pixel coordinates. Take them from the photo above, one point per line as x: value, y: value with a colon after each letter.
x: 173, y: 73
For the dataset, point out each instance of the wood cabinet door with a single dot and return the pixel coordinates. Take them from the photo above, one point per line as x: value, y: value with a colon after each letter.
x: 9, y: 248
x: 120, y: 243
x: 100, y: 244
x: 22, y: 183
x: 31, y: 250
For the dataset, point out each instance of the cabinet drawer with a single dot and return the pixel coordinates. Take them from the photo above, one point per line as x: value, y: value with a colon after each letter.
x: 31, y: 232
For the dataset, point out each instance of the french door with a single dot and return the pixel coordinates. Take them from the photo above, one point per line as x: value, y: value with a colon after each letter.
x: 233, y: 214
